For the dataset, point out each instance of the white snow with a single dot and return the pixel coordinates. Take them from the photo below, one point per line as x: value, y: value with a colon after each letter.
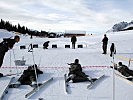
x: 53, y: 62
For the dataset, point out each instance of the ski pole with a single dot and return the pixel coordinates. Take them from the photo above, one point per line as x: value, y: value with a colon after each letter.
x: 31, y: 50
x: 15, y: 62
x: 113, y: 78
x: 10, y: 63
x: 129, y: 62
x: 39, y: 61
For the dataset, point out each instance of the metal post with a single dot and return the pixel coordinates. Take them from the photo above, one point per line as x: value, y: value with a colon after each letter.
x: 31, y: 50
x: 10, y: 63
x: 113, y: 77
x: 15, y: 63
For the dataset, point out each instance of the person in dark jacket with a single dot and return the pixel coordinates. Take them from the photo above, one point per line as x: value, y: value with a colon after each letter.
x: 46, y: 44
x: 76, y: 74
x: 124, y: 70
x: 105, y: 42
x: 5, y: 45
x: 112, y: 49
x: 73, y: 40
x: 29, y: 75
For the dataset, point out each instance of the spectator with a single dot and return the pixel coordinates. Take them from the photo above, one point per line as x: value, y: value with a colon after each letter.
x: 5, y: 45
x: 112, y: 49
x: 73, y: 40
x: 105, y: 42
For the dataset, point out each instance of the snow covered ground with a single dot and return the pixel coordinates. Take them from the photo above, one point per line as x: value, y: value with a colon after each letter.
x: 53, y: 62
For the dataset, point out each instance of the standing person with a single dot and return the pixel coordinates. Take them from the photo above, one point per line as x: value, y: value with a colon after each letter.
x: 105, y: 42
x: 112, y: 49
x: 73, y: 40
x: 5, y: 45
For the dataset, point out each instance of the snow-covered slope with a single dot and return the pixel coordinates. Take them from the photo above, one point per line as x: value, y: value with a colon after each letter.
x: 5, y: 33
x: 121, y: 26
x: 53, y: 62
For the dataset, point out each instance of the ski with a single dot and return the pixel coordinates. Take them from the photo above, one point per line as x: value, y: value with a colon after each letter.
x: 129, y: 79
x: 6, y: 89
x: 35, y: 89
x: 66, y: 84
x: 11, y: 74
x: 95, y: 82
x: 14, y: 85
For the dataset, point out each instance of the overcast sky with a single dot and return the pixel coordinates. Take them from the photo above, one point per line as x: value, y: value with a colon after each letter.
x: 60, y: 15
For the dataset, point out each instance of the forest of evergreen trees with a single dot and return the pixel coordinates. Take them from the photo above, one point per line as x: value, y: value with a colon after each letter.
x: 21, y: 29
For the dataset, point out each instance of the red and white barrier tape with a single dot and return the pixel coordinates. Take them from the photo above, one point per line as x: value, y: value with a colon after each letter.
x: 22, y: 67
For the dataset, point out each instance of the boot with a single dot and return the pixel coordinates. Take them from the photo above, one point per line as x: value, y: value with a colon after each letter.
x: 68, y: 79
x: 89, y: 79
x: 15, y: 85
x: 1, y: 75
x: 33, y: 83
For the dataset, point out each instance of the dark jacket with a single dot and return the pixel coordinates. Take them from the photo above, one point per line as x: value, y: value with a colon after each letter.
x: 73, y: 39
x: 105, y: 40
x: 76, y: 69
x: 112, y: 48
x: 46, y: 44
x: 29, y: 75
x: 7, y: 44
x: 124, y: 70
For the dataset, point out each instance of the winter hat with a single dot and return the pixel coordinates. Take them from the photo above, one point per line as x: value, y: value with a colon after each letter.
x: 120, y: 63
x: 76, y: 61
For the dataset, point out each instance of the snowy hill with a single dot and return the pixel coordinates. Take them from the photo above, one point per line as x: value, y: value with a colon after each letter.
x: 5, y: 33
x: 121, y: 26
x: 129, y: 27
x: 53, y: 62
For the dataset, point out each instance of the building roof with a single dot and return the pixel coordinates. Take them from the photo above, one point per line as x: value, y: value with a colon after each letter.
x: 75, y: 32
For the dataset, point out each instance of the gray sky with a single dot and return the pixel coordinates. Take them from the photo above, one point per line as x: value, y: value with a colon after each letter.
x: 60, y: 15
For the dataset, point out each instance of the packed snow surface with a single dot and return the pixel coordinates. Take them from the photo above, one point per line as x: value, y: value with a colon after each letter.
x: 53, y: 62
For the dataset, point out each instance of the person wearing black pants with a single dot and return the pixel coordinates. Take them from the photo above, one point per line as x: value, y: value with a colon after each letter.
x: 112, y: 49
x: 105, y: 42
x: 73, y: 40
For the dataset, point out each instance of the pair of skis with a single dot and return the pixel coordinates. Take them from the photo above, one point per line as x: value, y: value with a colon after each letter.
x: 35, y: 89
x: 10, y: 74
x: 66, y: 84
x: 8, y: 84
x: 93, y: 83
x: 28, y: 95
x: 6, y: 89
x: 128, y: 79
